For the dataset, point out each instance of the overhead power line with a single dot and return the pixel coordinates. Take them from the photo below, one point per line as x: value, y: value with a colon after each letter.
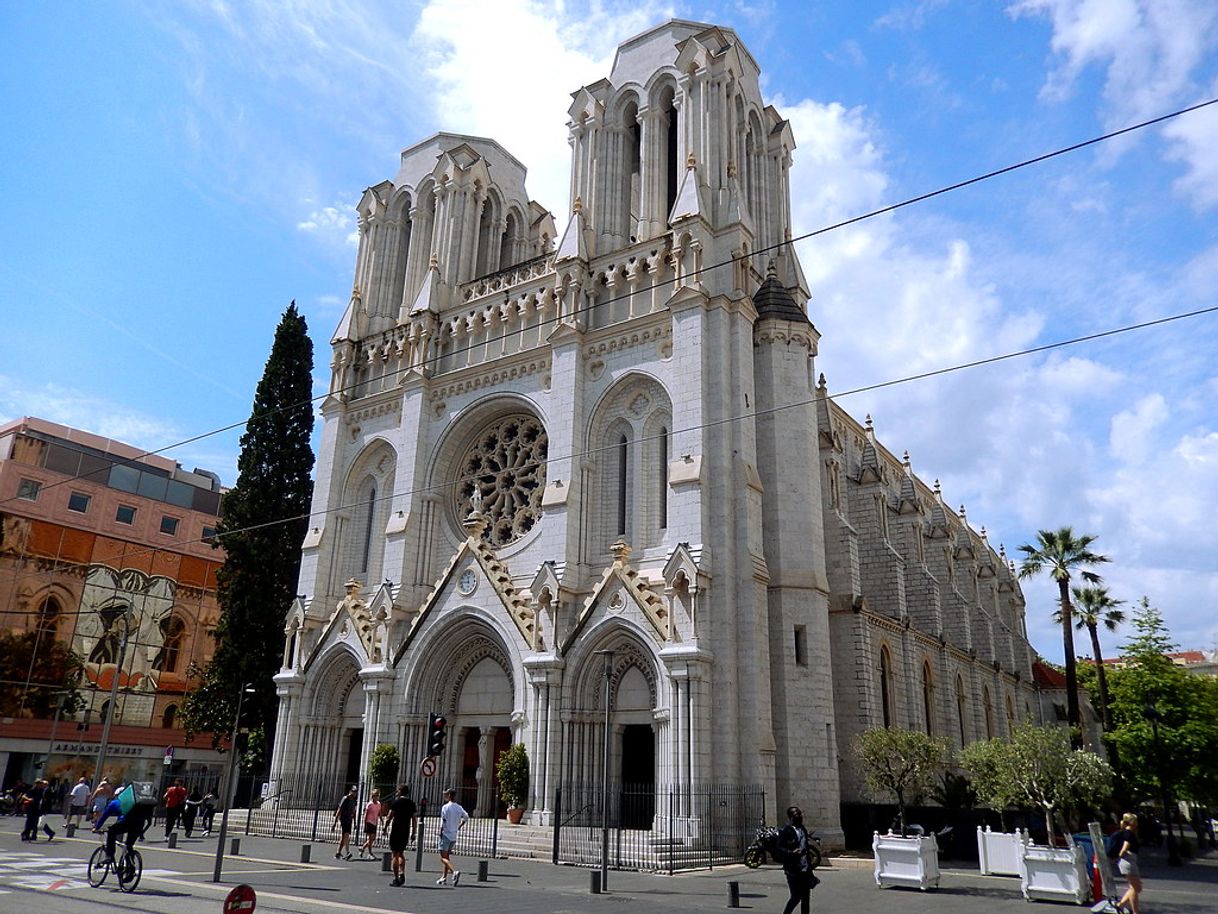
x: 705, y: 269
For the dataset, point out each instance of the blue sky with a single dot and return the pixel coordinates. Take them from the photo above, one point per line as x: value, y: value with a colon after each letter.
x: 174, y: 173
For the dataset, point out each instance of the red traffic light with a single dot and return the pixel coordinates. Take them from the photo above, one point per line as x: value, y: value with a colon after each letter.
x: 439, y: 722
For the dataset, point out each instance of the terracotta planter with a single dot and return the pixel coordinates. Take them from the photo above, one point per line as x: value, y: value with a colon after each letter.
x: 515, y: 814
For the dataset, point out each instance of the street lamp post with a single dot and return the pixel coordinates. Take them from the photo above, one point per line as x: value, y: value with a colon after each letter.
x: 110, y: 708
x: 1173, y: 853
x: 608, y: 655
x: 228, y: 783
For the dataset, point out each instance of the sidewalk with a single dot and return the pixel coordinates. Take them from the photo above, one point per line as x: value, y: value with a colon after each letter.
x: 178, y: 882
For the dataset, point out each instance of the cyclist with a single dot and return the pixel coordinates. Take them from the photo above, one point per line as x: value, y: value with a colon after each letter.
x: 132, y: 824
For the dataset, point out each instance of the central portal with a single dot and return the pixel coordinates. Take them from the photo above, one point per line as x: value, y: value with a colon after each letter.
x: 638, y: 776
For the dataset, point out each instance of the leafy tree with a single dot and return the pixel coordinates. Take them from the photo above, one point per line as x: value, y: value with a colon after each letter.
x: 900, y: 763
x: 34, y: 676
x: 1038, y: 767
x: 512, y: 772
x: 1187, y: 706
x: 1093, y: 608
x: 265, y: 517
x: 1061, y: 553
x: 383, y: 765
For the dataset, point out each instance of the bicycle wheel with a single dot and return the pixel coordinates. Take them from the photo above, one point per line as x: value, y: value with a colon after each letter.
x: 754, y: 856
x: 99, y: 869
x: 129, y: 870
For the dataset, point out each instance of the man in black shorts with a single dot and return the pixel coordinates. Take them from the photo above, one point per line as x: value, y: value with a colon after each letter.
x: 345, y: 816
x: 401, y: 824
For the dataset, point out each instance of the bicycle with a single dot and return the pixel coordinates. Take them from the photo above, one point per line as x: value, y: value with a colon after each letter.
x: 128, y: 866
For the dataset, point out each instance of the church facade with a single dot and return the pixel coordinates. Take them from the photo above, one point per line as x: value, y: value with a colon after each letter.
x: 560, y: 465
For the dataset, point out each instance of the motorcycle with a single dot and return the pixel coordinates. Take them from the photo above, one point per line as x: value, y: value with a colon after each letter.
x: 765, y: 841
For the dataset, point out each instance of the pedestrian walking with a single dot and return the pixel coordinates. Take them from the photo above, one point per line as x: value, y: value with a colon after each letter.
x: 207, y: 812
x: 793, y: 852
x: 32, y: 797
x: 191, y: 812
x: 1128, y: 846
x: 78, y: 802
x: 372, y: 820
x: 345, y: 816
x: 452, y: 818
x: 175, y: 805
x: 400, y: 823
x: 51, y: 805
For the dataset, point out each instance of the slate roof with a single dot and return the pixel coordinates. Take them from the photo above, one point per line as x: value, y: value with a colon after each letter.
x: 775, y: 302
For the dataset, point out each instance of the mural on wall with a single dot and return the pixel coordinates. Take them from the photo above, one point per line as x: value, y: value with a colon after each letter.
x: 111, y: 603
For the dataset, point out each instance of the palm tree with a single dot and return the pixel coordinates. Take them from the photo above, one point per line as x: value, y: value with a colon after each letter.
x: 1093, y: 608
x: 1061, y: 553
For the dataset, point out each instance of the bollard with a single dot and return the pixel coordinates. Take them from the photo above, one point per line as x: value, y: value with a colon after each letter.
x: 305, y: 851
x: 733, y: 894
x: 173, y: 839
x: 483, y: 868
x: 235, y: 848
x: 386, y: 862
x: 71, y: 830
x: 595, y: 887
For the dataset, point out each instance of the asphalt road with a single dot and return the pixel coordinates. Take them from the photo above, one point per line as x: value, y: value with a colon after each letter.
x: 48, y: 878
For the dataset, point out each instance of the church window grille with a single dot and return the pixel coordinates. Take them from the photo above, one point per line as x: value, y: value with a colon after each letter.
x: 960, y: 708
x: 623, y: 482
x: 886, y: 686
x: 506, y: 463
x: 369, y: 522
x: 928, y: 699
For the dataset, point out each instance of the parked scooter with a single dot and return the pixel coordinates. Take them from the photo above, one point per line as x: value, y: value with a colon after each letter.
x: 765, y: 840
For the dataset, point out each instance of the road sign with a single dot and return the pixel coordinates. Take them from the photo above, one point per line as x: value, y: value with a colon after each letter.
x: 241, y: 900
x: 428, y: 768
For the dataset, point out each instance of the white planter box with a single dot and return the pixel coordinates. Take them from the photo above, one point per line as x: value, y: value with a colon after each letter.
x: 1054, y: 874
x: 911, y: 862
x: 999, y: 852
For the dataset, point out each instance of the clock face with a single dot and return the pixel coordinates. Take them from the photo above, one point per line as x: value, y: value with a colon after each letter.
x: 467, y: 582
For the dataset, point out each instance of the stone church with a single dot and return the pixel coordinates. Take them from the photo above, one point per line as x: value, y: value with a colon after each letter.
x: 553, y: 460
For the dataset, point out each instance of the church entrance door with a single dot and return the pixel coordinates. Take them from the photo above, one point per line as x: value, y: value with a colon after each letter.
x: 355, y: 746
x: 638, y: 776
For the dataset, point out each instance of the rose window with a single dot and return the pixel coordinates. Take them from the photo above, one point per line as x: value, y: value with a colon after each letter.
x: 506, y: 465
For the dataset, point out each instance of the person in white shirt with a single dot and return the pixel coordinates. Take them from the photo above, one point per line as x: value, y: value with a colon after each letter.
x: 452, y: 817
x: 78, y: 802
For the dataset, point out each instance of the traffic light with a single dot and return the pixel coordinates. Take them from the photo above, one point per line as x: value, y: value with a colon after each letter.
x: 437, y: 733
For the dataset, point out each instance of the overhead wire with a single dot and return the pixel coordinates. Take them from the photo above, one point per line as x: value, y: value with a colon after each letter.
x: 429, y: 360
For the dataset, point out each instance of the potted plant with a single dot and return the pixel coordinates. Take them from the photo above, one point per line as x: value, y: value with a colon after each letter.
x: 513, y: 774
x: 1038, y: 767
x: 902, y: 764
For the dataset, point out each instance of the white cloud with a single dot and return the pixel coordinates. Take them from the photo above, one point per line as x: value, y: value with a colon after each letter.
x: 1132, y: 433
x: 334, y: 224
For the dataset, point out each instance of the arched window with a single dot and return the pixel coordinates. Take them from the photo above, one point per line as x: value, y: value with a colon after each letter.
x: 662, y: 476
x: 623, y: 482
x: 369, y: 522
x: 1010, y: 716
x: 630, y: 137
x: 507, y: 244
x: 886, y: 686
x: 960, y: 708
x: 989, y: 712
x: 169, y: 717
x: 928, y: 700
x: 48, y: 619
x: 173, y: 630
x: 672, y: 168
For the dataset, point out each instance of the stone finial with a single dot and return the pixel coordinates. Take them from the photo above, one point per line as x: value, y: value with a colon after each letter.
x: 355, y: 293
x: 621, y: 553
x: 578, y: 205
x: 937, y: 490
x: 691, y: 161
x: 963, y: 514
x: 353, y: 587
x: 821, y: 383
x: 1002, y: 553
x: 771, y: 271
x: 475, y: 525
x: 905, y: 459
x: 433, y: 262
x: 731, y: 169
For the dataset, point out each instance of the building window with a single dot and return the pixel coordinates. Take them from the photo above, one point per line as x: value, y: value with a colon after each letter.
x: 169, y: 717
x: 989, y: 712
x: 928, y: 699
x: 48, y: 619
x: 169, y: 525
x: 960, y: 708
x: 78, y: 502
x: 886, y: 686
x: 173, y: 630
x: 663, y: 476
x: 125, y: 514
x: 29, y: 489
x: 623, y: 482
x: 369, y: 525
x: 801, y: 645
x: 209, y: 535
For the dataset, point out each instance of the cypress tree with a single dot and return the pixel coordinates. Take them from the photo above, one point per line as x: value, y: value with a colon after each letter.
x: 265, y: 517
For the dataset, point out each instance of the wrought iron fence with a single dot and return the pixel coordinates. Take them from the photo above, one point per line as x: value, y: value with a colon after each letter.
x: 649, y: 827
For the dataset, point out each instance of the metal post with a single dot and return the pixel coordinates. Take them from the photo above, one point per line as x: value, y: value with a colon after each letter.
x: 1173, y: 853
x: 228, y: 786
x: 495, y: 834
x: 557, y: 824
x: 316, y: 809
x: 604, y: 881
x: 418, y: 836
x: 118, y: 669
x: 46, y: 762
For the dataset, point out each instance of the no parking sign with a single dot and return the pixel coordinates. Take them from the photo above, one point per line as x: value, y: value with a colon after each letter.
x: 241, y: 900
